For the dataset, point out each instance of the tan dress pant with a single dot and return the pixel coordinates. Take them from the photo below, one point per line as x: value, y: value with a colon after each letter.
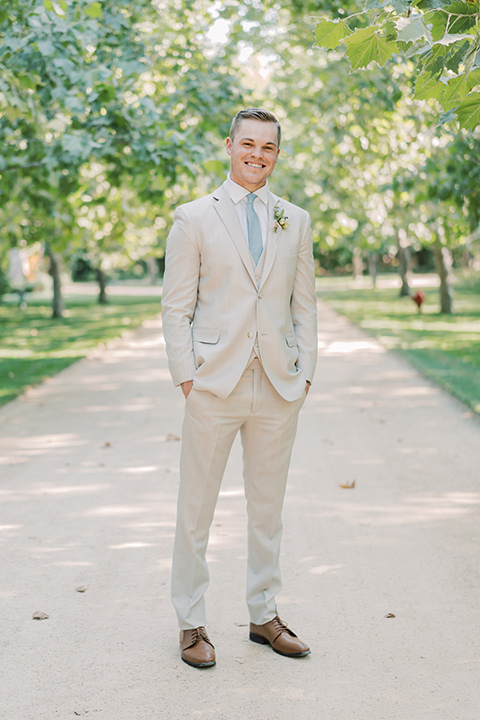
x: 267, y: 425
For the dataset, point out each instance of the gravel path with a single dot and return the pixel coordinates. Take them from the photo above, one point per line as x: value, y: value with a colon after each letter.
x: 88, y: 491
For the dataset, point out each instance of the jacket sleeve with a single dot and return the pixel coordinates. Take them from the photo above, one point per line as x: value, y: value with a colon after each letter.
x: 304, y: 304
x: 179, y: 296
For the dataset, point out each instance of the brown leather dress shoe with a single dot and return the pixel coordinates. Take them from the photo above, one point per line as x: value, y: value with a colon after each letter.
x: 196, y: 649
x: 282, y: 640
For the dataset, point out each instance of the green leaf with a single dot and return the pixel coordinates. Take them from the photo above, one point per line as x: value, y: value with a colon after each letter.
x: 449, y: 39
x: 55, y: 7
x: 463, y: 6
x: 46, y: 48
x: 468, y: 112
x: 452, y: 94
x: 457, y: 88
x: 428, y: 87
x: 435, y: 61
x: 74, y: 145
x: 446, y: 117
x: 366, y: 45
x: 457, y: 55
x: 474, y: 79
x: 29, y: 82
x: 133, y: 67
x: 74, y: 104
x: 412, y: 29
x: 430, y: 4
x: 13, y: 113
x: 463, y: 23
x: 94, y: 10
x: 400, y: 6
x: 330, y: 33
x: 437, y: 22
x: 463, y: 17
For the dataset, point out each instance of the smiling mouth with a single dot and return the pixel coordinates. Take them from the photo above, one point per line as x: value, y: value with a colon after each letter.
x: 255, y: 165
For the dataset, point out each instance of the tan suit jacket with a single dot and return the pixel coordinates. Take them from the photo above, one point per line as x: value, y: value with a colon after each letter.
x: 213, y: 306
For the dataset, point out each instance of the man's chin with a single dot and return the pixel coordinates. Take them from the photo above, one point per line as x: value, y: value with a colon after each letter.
x: 249, y: 182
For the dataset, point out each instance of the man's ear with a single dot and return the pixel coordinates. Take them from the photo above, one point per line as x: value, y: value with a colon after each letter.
x: 228, y: 146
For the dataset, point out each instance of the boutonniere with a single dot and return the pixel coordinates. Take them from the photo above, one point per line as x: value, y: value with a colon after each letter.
x: 281, y: 220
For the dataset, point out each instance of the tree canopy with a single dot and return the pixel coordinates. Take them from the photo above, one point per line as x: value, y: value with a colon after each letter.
x: 440, y: 36
x: 112, y: 113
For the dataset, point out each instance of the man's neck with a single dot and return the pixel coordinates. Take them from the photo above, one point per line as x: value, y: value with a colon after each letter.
x: 247, y: 186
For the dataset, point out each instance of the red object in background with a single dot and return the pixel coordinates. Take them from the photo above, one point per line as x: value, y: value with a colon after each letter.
x: 418, y: 299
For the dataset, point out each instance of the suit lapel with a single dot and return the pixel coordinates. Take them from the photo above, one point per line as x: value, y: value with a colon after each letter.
x: 228, y: 216
x: 272, y: 239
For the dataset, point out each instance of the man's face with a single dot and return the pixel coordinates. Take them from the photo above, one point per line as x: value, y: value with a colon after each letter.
x: 253, y: 153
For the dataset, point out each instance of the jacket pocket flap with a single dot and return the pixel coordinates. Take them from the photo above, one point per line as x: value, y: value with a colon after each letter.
x: 206, y: 335
x: 290, y: 339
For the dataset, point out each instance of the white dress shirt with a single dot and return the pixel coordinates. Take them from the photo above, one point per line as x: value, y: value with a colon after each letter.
x: 238, y: 196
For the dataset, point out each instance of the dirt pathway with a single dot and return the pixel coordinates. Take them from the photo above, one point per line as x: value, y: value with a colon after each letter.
x: 88, y: 491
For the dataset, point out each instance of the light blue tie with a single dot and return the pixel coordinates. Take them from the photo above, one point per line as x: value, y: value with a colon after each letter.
x: 254, y: 230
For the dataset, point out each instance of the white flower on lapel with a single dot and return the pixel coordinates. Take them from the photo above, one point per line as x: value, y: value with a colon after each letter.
x: 281, y: 220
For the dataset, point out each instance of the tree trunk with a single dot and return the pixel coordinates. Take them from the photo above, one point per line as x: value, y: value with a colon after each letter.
x: 443, y: 261
x: 468, y: 259
x: 152, y: 268
x: 357, y: 263
x: 102, y: 284
x: 403, y: 254
x: 372, y: 268
x: 54, y: 272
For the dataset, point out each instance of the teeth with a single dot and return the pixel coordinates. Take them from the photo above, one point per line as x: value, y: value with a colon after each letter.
x: 254, y: 165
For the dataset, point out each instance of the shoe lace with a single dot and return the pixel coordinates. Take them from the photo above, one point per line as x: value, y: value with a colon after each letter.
x: 200, y: 634
x: 280, y: 626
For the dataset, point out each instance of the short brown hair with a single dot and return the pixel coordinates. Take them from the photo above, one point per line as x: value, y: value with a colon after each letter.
x: 252, y: 113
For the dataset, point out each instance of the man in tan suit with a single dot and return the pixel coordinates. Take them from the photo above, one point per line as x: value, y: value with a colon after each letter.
x: 239, y: 320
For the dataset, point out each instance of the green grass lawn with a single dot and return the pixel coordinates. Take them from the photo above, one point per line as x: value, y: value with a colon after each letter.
x: 33, y: 346
x: 445, y: 348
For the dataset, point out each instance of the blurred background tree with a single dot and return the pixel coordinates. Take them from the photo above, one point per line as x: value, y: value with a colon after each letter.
x: 111, y: 114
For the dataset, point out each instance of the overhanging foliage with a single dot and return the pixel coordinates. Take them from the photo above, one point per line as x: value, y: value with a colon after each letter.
x: 443, y: 37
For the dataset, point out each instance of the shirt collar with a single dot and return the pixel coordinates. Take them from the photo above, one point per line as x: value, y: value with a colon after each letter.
x: 237, y: 192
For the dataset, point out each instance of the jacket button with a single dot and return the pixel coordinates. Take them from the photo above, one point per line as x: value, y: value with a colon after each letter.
x: 250, y: 335
x: 259, y: 297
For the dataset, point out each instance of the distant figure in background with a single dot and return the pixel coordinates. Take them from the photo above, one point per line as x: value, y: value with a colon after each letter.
x: 239, y: 319
x: 19, y: 274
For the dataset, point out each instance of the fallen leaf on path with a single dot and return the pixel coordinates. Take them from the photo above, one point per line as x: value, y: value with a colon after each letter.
x: 81, y: 589
x: 348, y: 485
x: 40, y: 616
x: 390, y: 615
x: 174, y: 438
